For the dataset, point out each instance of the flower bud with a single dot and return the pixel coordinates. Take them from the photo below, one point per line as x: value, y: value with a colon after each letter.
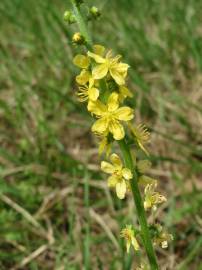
x: 95, y: 13
x: 69, y: 17
x: 78, y: 39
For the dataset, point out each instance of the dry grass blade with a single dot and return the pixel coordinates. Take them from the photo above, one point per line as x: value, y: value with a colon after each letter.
x: 105, y: 227
x: 21, y: 210
x: 39, y: 169
x: 27, y: 216
x: 31, y: 257
x: 53, y: 198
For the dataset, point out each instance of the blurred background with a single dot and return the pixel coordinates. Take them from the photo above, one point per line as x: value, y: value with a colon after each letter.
x: 56, y: 209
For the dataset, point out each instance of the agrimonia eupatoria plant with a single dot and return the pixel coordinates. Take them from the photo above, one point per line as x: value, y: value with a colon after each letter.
x: 102, y: 86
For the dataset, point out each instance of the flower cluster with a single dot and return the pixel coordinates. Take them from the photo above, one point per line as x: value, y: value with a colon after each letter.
x: 102, y: 85
x: 100, y: 68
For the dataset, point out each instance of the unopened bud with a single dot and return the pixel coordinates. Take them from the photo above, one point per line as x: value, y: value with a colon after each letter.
x: 69, y: 17
x: 78, y: 39
x: 95, y: 12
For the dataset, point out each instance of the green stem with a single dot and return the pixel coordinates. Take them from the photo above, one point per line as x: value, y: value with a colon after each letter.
x: 87, y: 224
x: 139, y: 206
x: 82, y: 25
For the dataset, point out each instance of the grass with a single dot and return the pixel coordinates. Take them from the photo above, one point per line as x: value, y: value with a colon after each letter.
x: 51, y: 216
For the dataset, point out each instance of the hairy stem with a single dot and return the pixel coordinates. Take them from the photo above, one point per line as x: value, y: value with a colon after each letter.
x: 139, y: 206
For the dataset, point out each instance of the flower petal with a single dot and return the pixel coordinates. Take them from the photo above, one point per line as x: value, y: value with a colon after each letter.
x: 100, y: 71
x: 135, y: 243
x: 112, y: 181
x: 97, y: 108
x: 116, y: 161
x: 81, y: 61
x: 98, y: 49
x: 93, y: 93
x: 117, y: 130
x: 128, y: 246
x: 125, y: 92
x: 122, y: 68
x: 121, y: 189
x: 104, y: 146
x: 98, y: 59
x: 113, y: 103
x: 91, y: 82
x: 117, y: 76
x: 107, y: 167
x: 100, y: 126
x: 127, y: 174
x: 124, y: 114
x: 83, y: 77
x: 147, y: 204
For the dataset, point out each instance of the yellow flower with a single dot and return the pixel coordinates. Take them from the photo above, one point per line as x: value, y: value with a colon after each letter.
x: 110, y: 64
x: 98, y: 49
x: 129, y: 235
x: 124, y: 92
x: 162, y: 237
x: 110, y: 116
x: 152, y: 198
x: 83, y: 77
x: 104, y: 145
x: 81, y: 61
x: 88, y: 92
x: 119, y: 175
x: 141, y: 134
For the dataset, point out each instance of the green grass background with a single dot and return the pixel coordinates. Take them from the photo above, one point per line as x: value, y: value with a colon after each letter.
x: 56, y: 211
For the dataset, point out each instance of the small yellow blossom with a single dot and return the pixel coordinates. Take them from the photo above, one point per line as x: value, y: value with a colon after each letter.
x: 141, y: 134
x: 98, y: 49
x: 124, y: 92
x: 110, y: 116
x: 81, y: 61
x: 83, y: 77
x: 119, y: 175
x: 129, y: 235
x: 88, y: 92
x: 110, y: 64
x: 104, y: 145
x: 162, y: 237
x: 152, y: 198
